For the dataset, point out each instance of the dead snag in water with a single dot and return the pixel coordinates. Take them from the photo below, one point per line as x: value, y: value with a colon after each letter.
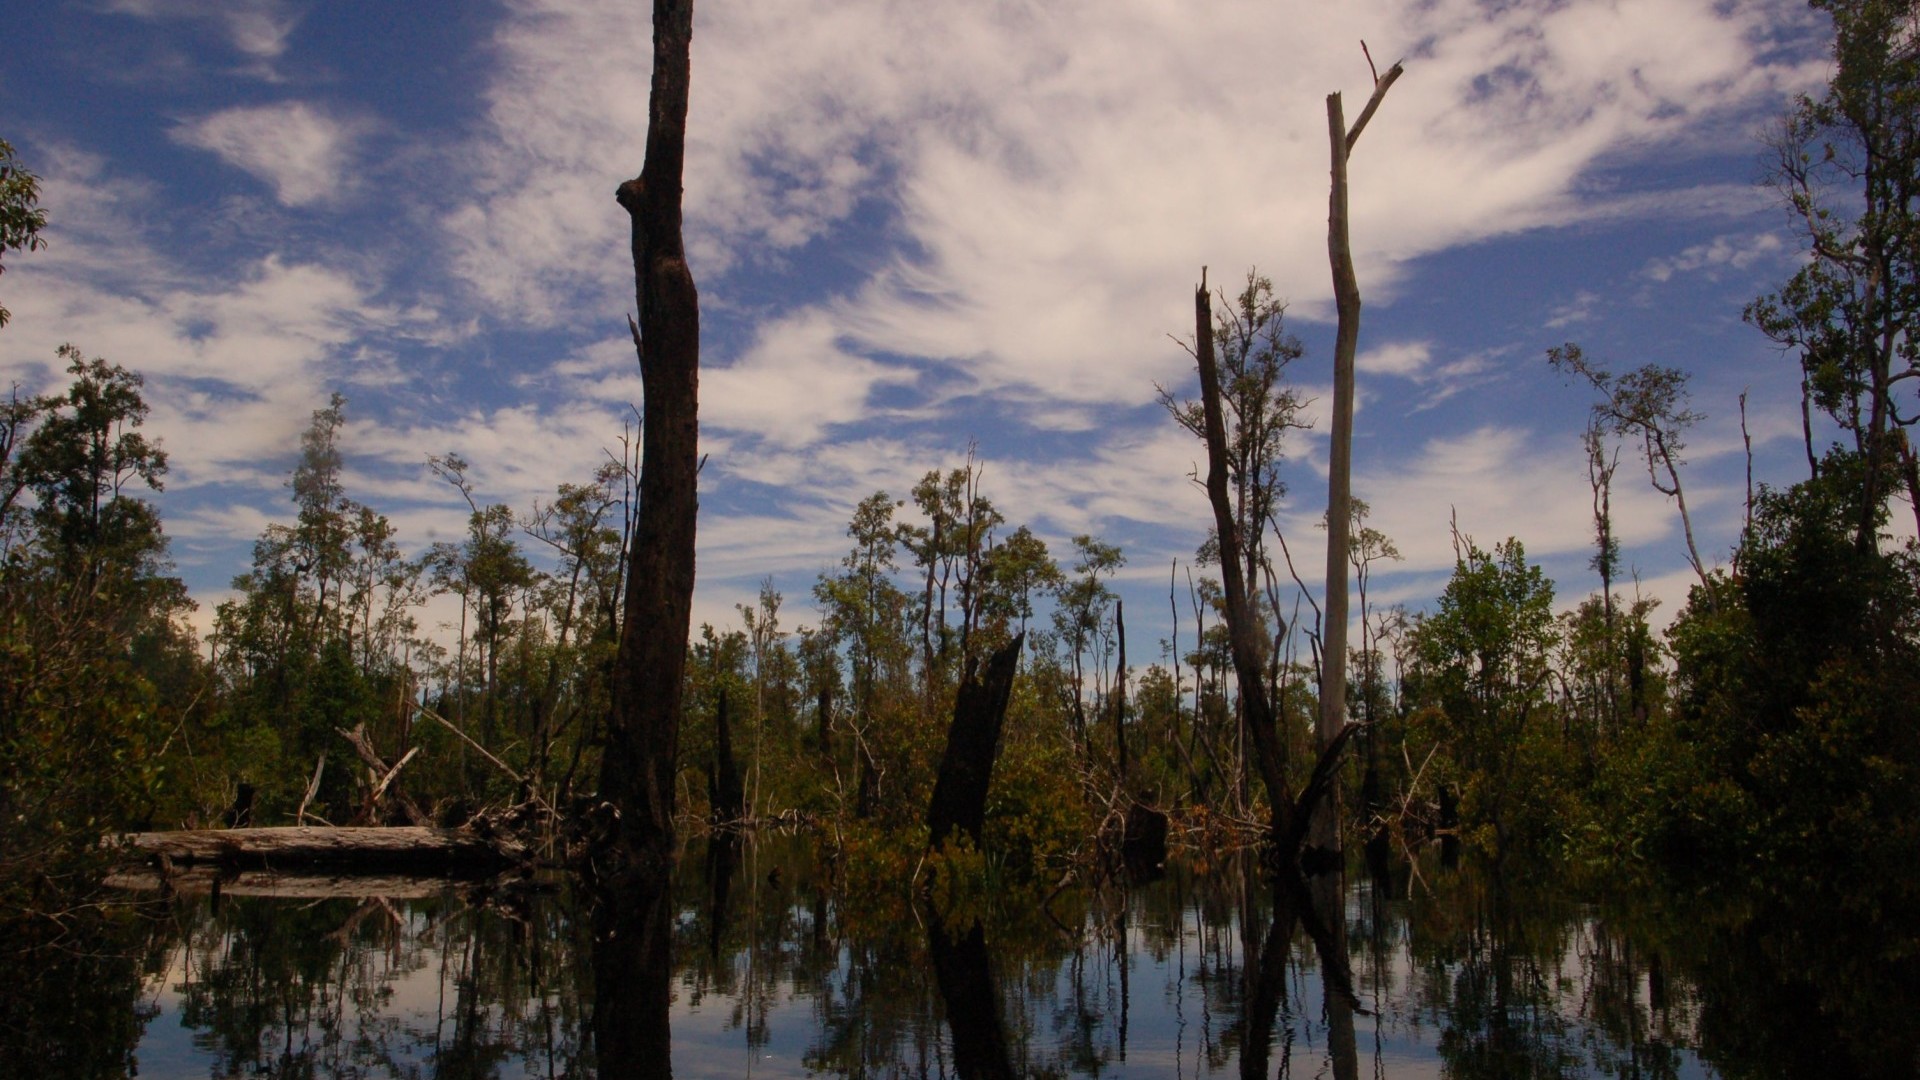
x: 1243, y: 623
x: 1346, y: 295
x: 643, y: 729
x: 973, y: 743
x: 726, y: 794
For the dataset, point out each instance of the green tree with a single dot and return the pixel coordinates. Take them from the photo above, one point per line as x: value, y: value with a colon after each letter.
x: 1082, y: 618
x: 582, y: 602
x: 323, y: 528
x: 865, y: 610
x: 492, y: 576
x: 80, y: 464
x: 1482, y: 661
x: 21, y: 218
x: 1648, y: 405
x: 1795, y: 688
x: 1253, y: 350
x: 1012, y: 573
x: 949, y: 550
x: 320, y: 636
x: 1847, y: 165
x: 91, y: 634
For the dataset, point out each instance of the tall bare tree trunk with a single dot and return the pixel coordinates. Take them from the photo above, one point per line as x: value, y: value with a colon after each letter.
x: 1325, y: 833
x: 637, y: 771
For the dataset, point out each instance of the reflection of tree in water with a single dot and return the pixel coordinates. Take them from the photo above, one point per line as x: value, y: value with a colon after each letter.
x: 72, y: 1000
x: 1527, y: 984
x: 283, y: 989
x: 753, y: 931
x: 1491, y: 982
x: 1794, y: 986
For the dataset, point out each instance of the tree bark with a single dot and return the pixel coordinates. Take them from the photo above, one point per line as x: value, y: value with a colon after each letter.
x: 1346, y: 293
x: 637, y: 770
x: 973, y: 743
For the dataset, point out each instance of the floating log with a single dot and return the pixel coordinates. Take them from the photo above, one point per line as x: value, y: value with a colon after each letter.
x: 204, y: 880
x: 419, y: 848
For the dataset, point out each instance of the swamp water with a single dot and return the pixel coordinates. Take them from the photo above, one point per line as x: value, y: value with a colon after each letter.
x: 1197, y: 974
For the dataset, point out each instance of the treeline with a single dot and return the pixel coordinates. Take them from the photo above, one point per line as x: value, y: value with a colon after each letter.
x: 1773, y: 717
x: 1769, y: 732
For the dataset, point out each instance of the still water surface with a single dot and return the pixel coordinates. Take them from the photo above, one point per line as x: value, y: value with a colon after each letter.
x: 773, y: 975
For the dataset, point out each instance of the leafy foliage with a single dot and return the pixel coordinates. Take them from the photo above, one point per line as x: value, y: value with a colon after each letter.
x: 21, y: 218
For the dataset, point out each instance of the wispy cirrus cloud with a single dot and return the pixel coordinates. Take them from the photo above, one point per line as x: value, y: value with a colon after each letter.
x: 257, y: 28
x: 1722, y: 252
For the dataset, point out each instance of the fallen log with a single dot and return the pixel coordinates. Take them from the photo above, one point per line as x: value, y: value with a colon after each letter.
x: 418, y: 848
x: 204, y: 880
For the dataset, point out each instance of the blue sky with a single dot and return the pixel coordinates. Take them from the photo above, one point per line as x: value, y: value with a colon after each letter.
x: 913, y: 226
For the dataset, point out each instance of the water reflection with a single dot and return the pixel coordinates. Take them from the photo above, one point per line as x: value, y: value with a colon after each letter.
x: 752, y: 963
x: 964, y: 973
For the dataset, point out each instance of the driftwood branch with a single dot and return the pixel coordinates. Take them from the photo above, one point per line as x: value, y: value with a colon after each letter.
x: 465, y: 738
x: 313, y: 788
x: 387, y: 780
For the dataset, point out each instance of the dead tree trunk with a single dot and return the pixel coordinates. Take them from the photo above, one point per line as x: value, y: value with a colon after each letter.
x: 726, y: 794
x: 1120, y: 695
x: 1243, y: 630
x: 1346, y: 295
x: 823, y: 734
x: 973, y: 743
x: 643, y: 730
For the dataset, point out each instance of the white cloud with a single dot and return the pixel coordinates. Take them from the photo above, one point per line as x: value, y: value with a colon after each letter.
x: 1057, y: 176
x: 1044, y: 181
x: 1738, y: 252
x: 1401, y: 359
x: 302, y: 153
x: 1504, y: 482
x: 1577, y: 310
x: 235, y: 362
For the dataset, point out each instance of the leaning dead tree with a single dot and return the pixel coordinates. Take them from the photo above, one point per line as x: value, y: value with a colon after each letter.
x: 1244, y: 631
x: 643, y: 731
x: 1332, y: 723
x: 973, y: 745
